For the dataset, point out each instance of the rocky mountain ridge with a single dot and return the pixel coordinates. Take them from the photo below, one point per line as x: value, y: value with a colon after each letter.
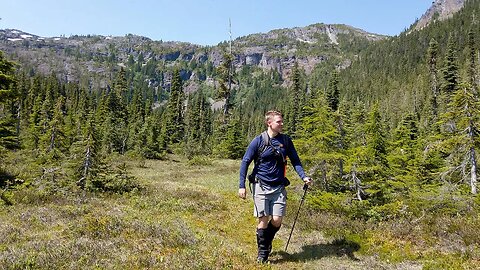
x: 277, y: 49
x: 440, y: 10
x: 96, y: 58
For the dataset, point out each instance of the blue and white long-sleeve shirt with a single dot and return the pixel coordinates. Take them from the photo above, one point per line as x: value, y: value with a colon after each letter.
x: 269, y: 171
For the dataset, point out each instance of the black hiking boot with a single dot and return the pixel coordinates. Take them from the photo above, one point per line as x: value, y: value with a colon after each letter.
x: 271, y: 231
x: 262, y: 244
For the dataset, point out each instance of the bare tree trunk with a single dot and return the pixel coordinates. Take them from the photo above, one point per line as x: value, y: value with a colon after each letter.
x: 52, y: 140
x: 434, y: 85
x: 124, y: 144
x: 324, y: 174
x: 473, y: 171
x: 18, y: 123
x: 356, y: 184
x: 473, y: 159
x: 87, y: 164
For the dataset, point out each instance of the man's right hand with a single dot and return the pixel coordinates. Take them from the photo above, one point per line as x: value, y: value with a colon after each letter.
x: 242, y: 193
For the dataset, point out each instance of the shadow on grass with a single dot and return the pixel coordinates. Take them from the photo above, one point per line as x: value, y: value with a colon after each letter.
x: 338, y: 248
x: 6, y: 178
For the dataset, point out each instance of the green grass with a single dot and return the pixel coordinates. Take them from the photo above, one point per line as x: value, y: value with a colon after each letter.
x: 185, y: 216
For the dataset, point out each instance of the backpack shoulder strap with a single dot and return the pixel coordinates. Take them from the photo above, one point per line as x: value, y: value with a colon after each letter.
x: 264, y: 143
x: 265, y: 140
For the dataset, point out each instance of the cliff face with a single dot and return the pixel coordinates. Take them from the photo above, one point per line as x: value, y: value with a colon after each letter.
x: 277, y: 49
x: 96, y: 58
x: 309, y: 46
x: 440, y: 10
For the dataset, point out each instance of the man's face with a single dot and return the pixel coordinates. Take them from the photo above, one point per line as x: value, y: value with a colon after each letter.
x: 276, y: 124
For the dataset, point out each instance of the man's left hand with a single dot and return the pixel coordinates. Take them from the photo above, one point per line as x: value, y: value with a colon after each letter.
x: 307, y: 180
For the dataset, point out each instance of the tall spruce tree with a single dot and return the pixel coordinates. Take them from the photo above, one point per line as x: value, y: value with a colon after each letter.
x: 403, y: 154
x: 432, y: 57
x: 357, y: 161
x: 113, y: 128
x: 8, y: 106
x: 54, y: 141
x: 333, y: 94
x: 295, y: 102
x: 341, y: 122
x: 34, y: 127
x: 136, y: 120
x: 152, y: 130
x: 317, y: 141
x: 225, y: 78
x: 86, y: 158
x: 450, y: 71
x: 234, y: 141
x: 174, y: 114
x: 461, y: 143
x: 376, y: 141
x: 377, y: 157
x: 472, y: 69
x: 198, y: 125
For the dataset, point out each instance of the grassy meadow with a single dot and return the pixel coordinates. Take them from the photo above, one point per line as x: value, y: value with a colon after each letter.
x: 186, y: 215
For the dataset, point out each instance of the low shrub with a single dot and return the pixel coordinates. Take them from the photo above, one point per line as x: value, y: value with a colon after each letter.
x: 116, y: 181
x: 200, y: 161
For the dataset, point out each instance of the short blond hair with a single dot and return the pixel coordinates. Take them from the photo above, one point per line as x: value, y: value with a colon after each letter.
x: 270, y: 114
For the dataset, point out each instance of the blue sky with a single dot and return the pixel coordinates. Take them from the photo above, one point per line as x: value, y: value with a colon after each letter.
x: 204, y: 22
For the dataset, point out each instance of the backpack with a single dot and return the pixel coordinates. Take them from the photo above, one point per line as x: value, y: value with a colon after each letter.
x: 265, y: 142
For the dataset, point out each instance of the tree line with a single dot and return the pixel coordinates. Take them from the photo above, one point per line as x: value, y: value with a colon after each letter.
x: 401, y: 118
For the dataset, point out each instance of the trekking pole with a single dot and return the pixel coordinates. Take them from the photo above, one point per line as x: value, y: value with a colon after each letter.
x: 305, y: 187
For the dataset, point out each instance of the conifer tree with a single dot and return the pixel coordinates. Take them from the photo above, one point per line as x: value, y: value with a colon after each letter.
x: 462, y: 141
x: 225, y: 77
x: 130, y: 61
x: 341, y: 122
x: 472, y: 61
x: 81, y: 113
x: 35, y: 128
x: 357, y: 161
x: 23, y: 85
x: 402, y: 157
x: 53, y: 141
x: 46, y: 113
x: 220, y: 129
x: 152, y: 132
x: 450, y: 71
x: 198, y: 125
x: 136, y: 116
x: 113, y: 128
x: 317, y: 141
x: 234, y: 141
x: 121, y: 87
x: 174, y: 114
x: 71, y: 127
x: 376, y: 154
x: 295, y: 102
x: 85, y: 155
x: 333, y: 93
x: 8, y: 95
x: 376, y: 142
x: 432, y: 57
x: 356, y: 135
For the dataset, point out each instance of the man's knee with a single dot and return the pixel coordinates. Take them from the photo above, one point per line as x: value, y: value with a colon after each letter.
x: 277, y: 221
x: 263, y: 222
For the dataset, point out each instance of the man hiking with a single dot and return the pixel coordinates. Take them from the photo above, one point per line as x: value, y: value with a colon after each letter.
x: 269, y: 151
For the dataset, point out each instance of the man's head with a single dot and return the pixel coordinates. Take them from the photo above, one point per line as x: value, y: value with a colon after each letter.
x: 274, y: 121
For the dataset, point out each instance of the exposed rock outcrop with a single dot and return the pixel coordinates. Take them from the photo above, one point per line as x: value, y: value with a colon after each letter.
x: 440, y: 10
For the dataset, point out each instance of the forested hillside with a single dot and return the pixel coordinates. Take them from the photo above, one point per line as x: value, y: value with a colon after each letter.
x: 387, y: 127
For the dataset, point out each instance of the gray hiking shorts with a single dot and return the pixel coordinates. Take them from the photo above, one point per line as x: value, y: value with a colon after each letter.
x: 269, y: 201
